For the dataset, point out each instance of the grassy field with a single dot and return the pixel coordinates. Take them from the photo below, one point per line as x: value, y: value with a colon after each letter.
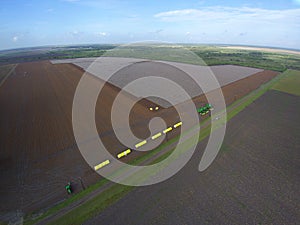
x: 91, y: 208
x: 290, y: 83
x: 214, y: 55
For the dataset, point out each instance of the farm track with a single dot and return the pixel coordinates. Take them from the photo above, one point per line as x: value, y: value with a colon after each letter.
x: 38, y: 150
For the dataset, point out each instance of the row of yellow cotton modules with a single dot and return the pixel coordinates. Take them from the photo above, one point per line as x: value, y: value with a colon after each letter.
x: 128, y: 151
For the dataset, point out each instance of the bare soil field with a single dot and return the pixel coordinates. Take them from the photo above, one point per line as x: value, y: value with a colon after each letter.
x: 38, y: 150
x: 130, y: 69
x: 254, y: 179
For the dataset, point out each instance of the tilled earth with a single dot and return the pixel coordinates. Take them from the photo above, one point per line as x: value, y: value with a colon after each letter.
x: 38, y: 152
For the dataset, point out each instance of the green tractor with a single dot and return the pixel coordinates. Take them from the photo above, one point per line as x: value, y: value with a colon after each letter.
x: 68, y: 187
x: 205, y: 109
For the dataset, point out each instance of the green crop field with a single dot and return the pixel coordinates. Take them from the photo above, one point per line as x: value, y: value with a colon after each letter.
x: 290, y: 83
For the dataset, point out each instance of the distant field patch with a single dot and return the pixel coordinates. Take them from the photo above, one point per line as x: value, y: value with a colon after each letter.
x: 290, y: 83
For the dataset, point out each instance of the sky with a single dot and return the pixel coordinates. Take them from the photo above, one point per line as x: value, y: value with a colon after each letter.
x: 28, y: 23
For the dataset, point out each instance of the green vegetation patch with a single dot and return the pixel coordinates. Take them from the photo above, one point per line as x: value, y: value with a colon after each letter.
x: 70, y: 54
x: 290, y: 83
x: 94, y: 206
x: 216, y: 55
x: 224, y: 148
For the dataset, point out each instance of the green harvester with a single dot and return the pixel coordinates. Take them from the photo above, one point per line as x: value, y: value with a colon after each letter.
x: 205, y: 109
x: 68, y: 188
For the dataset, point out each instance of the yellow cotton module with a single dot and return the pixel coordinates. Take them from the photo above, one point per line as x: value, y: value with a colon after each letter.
x: 122, y: 154
x: 140, y: 144
x: 156, y: 136
x: 99, y: 166
x: 177, y: 124
x: 167, y: 130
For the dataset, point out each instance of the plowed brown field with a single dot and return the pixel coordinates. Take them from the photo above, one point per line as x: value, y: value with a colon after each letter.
x: 38, y: 152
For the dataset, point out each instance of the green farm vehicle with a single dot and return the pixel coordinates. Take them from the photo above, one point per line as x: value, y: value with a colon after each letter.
x: 68, y: 187
x: 205, y: 109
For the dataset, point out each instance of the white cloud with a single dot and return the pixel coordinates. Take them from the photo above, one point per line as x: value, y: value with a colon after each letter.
x: 243, y: 25
x: 15, y: 38
x: 102, y: 34
x: 76, y: 34
x: 220, y: 13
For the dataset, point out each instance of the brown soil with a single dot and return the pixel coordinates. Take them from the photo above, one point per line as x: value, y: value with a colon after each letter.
x: 39, y: 154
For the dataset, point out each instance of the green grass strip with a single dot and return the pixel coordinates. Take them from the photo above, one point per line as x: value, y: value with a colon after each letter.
x: 94, y: 206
